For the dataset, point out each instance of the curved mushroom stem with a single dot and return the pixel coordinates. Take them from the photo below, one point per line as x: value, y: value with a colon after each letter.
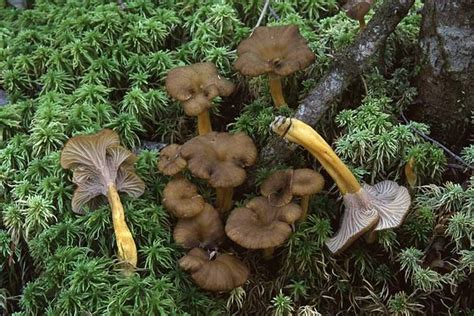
x: 305, y: 205
x: 127, y: 250
x: 204, y: 123
x: 276, y: 90
x: 371, y: 236
x: 268, y: 253
x: 361, y: 24
x: 300, y: 133
x: 224, y: 199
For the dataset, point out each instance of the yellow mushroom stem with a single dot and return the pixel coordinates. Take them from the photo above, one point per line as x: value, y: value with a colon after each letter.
x: 204, y: 123
x: 300, y: 133
x: 127, y: 250
x: 276, y: 91
x: 361, y: 24
x: 224, y: 199
x: 268, y: 253
x: 305, y: 205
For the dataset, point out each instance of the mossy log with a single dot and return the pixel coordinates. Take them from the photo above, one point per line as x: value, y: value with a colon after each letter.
x: 346, y: 68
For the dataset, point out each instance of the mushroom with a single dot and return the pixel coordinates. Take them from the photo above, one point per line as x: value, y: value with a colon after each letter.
x: 357, y: 9
x: 181, y: 198
x: 102, y: 167
x: 280, y: 187
x: 277, y: 51
x: 203, y: 230
x: 220, y: 158
x: 260, y: 225
x: 381, y: 206
x: 195, y: 86
x: 213, y: 271
x: 170, y: 162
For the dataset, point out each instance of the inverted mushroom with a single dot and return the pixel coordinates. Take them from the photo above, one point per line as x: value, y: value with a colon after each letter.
x: 280, y: 187
x: 277, y: 51
x: 357, y: 9
x: 195, y: 86
x: 181, y: 198
x: 213, y: 271
x: 102, y: 167
x: 170, y: 162
x: 381, y: 206
x: 202, y: 230
x: 260, y: 225
x: 220, y: 158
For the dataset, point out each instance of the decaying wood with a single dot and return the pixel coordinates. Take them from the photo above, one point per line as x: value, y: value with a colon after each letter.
x: 346, y: 68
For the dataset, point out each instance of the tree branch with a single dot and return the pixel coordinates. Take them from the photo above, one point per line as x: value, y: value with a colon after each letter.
x: 346, y: 68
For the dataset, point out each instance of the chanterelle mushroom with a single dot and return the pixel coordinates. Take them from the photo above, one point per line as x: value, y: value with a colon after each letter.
x: 259, y: 225
x: 170, y: 161
x: 381, y: 206
x: 181, y: 198
x: 203, y: 230
x: 357, y: 9
x: 101, y: 166
x: 277, y: 51
x: 195, y: 86
x: 280, y: 187
x: 213, y: 271
x: 220, y: 158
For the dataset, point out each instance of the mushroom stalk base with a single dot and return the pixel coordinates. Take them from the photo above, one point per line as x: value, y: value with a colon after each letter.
x: 300, y: 133
x: 127, y: 250
x: 305, y: 206
x: 204, y: 123
x: 276, y: 91
x: 224, y: 199
x: 362, y: 24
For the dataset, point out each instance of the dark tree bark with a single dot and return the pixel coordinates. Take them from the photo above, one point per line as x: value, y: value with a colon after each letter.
x: 346, y: 68
x: 446, y: 80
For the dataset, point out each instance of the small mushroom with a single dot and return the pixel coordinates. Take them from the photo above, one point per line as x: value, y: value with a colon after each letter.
x: 102, y: 167
x: 213, y: 271
x: 195, y: 86
x: 181, y: 198
x: 280, y: 187
x: 278, y: 51
x: 260, y: 225
x: 170, y: 162
x: 381, y: 206
x: 357, y: 9
x: 220, y: 158
x: 202, y: 230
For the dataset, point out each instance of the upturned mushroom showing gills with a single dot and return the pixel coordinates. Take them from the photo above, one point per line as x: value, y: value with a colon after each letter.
x: 357, y: 9
x: 260, y: 225
x: 220, y: 158
x: 180, y: 197
x: 170, y: 162
x: 195, y: 86
x: 282, y: 185
x: 381, y: 206
x: 203, y: 230
x: 101, y: 166
x: 213, y: 271
x: 277, y: 51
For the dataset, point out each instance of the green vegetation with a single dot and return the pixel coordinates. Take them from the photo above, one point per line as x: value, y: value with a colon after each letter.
x: 74, y: 67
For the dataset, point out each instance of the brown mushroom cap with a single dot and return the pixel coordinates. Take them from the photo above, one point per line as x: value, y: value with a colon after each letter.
x: 277, y: 187
x: 220, y: 158
x: 223, y: 273
x: 205, y: 229
x: 170, y: 161
x: 357, y: 9
x: 306, y: 182
x: 181, y: 198
x: 98, y: 161
x: 280, y: 50
x: 260, y: 225
x: 196, y: 85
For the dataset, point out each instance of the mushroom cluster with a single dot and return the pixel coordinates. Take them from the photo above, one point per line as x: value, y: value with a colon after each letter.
x: 101, y: 166
x: 367, y: 207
